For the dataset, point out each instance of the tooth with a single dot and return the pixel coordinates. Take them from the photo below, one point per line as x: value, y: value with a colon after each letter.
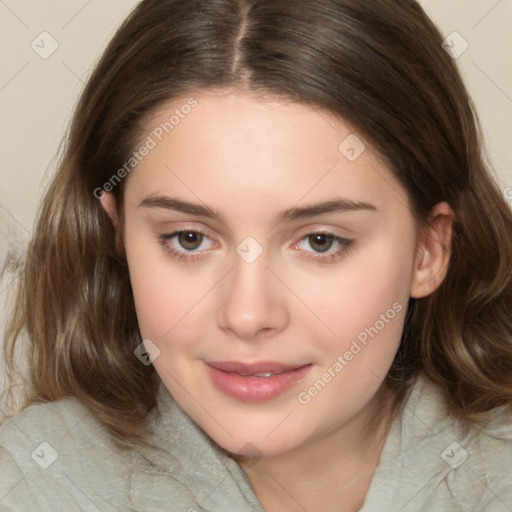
x: 267, y: 374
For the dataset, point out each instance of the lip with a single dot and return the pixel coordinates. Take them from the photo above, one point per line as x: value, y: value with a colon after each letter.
x: 237, y: 380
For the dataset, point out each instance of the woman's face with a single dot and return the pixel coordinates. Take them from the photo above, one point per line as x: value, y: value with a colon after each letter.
x: 276, y: 313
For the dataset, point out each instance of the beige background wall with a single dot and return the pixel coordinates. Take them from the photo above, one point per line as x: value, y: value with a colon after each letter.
x: 38, y: 90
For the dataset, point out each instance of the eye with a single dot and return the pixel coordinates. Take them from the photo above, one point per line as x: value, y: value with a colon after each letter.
x: 189, y: 245
x: 184, y: 244
x: 328, y: 245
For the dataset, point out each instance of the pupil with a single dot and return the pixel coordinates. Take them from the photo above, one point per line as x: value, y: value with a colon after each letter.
x: 322, y: 242
x: 189, y: 240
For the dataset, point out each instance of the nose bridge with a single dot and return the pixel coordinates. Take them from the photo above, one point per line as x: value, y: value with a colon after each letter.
x: 252, y: 302
x: 250, y: 279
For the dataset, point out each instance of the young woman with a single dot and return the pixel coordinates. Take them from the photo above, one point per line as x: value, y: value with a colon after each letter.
x: 271, y: 273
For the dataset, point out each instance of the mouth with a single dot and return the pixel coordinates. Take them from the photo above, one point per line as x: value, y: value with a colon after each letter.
x: 255, y: 382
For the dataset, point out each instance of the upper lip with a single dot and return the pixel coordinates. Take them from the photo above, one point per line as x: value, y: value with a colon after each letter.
x: 253, y: 368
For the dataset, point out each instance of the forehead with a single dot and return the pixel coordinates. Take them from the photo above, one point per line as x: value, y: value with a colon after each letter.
x: 253, y: 150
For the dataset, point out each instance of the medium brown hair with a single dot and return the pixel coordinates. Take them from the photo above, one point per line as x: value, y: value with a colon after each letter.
x: 379, y: 65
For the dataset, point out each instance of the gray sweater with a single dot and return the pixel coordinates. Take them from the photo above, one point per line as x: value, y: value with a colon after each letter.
x: 57, y: 457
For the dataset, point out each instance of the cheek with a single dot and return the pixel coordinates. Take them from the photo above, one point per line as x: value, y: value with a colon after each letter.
x: 162, y: 292
x: 365, y: 305
x: 150, y: 296
x: 370, y: 283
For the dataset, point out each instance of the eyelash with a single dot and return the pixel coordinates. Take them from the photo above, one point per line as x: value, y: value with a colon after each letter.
x: 163, y: 239
x: 178, y: 255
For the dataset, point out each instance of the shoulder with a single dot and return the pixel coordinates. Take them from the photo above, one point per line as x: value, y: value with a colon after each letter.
x: 487, y: 446
x: 52, y: 456
x: 65, y: 423
x: 432, y: 464
x: 47, y: 417
x: 487, y: 451
x: 58, y: 457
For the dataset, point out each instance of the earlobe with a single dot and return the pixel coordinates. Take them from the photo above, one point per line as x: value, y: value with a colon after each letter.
x: 433, y: 251
x: 109, y: 204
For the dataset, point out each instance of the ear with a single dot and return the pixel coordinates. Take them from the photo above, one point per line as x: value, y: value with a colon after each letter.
x: 433, y: 251
x: 109, y: 204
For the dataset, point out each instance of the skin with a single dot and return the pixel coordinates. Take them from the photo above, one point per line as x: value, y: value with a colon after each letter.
x: 249, y: 158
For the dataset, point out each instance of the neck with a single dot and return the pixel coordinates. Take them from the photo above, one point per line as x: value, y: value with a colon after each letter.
x: 329, y: 472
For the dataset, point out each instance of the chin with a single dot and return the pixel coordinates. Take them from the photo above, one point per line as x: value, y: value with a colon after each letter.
x: 264, y: 439
x: 255, y: 448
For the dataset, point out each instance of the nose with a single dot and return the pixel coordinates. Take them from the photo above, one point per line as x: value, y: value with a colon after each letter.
x: 253, y: 303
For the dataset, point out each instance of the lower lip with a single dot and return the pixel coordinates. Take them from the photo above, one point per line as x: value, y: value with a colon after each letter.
x: 256, y: 389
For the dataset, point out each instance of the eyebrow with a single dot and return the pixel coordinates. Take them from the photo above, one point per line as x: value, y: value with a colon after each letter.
x: 336, y: 205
